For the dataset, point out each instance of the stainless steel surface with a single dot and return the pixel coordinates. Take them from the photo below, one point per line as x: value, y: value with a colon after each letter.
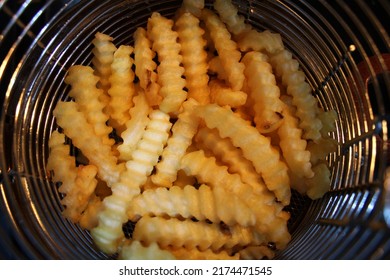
x: 342, y: 46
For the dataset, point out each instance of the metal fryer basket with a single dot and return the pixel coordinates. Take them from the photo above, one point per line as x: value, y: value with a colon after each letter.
x: 342, y: 46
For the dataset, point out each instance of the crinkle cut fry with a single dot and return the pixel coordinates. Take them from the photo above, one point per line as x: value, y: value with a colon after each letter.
x: 224, y: 150
x: 228, y: 13
x: 183, y: 131
x: 254, y: 40
x: 83, y: 136
x: 226, y: 48
x: 135, y: 127
x: 225, y: 96
x: 194, y: 7
x: 287, y: 68
x: 145, y: 67
x: 194, y: 57
x: 122, y: 87
x: 271, y: 221
x: 83, y: 89
x: 264, y: 92
x: 294, y: 147
x: 77, y: 183
x: 256, y: 147
x: 164, y: 43
x: 201, y: 203
x: 189, y: 234
x: 88, y: 219
x: 108, y: 234
x: 103, y: 51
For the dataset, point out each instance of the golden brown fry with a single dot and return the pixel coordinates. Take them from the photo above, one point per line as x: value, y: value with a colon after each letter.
x: 194, y: 57
x: 122, y: 87
x: 87, y: 96
x: 287, y: 68
x: 77, y: 183
x: 226, y: 48
x: 263, y: 90
x: 145, y: 67
x: 256, y: 147
x: 225, y: 96
x: 76, y: 127
x: 103, y: 55
x: 164, y: 43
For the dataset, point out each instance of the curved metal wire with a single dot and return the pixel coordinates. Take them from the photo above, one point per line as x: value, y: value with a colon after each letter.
x: 342, y: 46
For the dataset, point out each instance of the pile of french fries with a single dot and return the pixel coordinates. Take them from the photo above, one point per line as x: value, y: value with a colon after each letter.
x: 197, y: 133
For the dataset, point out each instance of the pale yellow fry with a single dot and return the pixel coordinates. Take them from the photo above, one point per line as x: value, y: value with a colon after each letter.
x: 108, y: 234
x: 206, y: 170
x: 87, y: 96
x: 191, y: 6
x: 103, y: 55
x: 271, y: 222
x: 256, y: 147
x: 60, y: 162
x: 263, y: 90
x: 189, y: 202
x: 318, y: 185
x: 253, y: 40
x: 122, y: 87
x: 76, y: 127
x: 135, y: 127
x: 328, y: 119
x: 189, y: 234
x: 229, y: 15
x: 195, y: 254
x: 145, y: 67
x: 194, y: 57
x: 287, y: 68
x: 322, y: 147
x: 224, y: 150
x: 77, y: 183
x: 227, y: 49
x: 183, y: 131
x: 225, y: 96
x: 134, y: 250
x: 88, y: 219
x: 164, y: 43
x: 294, y: 147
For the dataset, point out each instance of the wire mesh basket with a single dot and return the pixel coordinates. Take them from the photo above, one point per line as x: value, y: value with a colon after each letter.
x: 342, y: 46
